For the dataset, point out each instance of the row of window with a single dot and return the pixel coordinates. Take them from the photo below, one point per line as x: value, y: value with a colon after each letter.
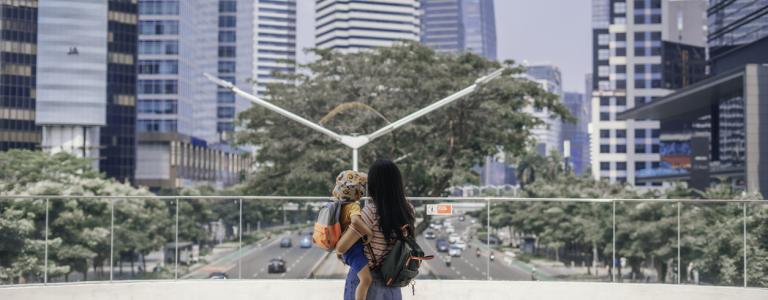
x: 225, y: 112
x: 159, y: 47
x: 622, y: 166
x: 158, y: 67
x: 226, y: 6
x: 226, y: 67
x: 159, y: 7
x: 157, y: 106
x: 158, y: 27
x: 622, y: 148
x: 622, y: 133
x: 157, y: 87
x: 156, y: 126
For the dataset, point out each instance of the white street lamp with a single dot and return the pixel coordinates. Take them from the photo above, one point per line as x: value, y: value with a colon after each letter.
x: 356, y: 142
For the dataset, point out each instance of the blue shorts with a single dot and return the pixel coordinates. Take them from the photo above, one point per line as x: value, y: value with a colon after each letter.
x: 355, y: 257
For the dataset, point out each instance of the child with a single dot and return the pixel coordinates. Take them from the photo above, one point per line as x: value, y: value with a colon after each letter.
x: 350, y: 187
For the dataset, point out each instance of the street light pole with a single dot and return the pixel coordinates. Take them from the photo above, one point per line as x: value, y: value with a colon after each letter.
x: 355, y: 142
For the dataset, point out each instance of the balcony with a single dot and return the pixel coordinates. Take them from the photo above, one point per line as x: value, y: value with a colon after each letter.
x: 173, y: 247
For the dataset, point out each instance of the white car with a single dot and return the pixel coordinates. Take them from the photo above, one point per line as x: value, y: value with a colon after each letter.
x: 461, y: 244
x: 454, y: 251
x: 453, y: 238
x: 449, y: 229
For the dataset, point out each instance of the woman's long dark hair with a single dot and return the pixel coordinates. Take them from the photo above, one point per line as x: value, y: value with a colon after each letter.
x: 385, y: 186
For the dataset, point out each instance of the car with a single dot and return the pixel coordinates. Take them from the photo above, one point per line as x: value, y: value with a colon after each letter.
x: 461, y: 244
x: 454, y: 251
x: 285, y: 242
x: 453, y: 238
x: 430, y: 235
x: 442, y: 245
x: 473, y: 221
x: 218, y: 275
x: 306, y: 242
x: 449, y: 229
x: 436, y: 225
x: 276, y: 265
x: 447, y: 223
x: 461, y: 219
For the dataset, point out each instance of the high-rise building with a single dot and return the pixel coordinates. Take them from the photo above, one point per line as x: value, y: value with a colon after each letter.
x: 85, y: 85
x: 548, y: 135
x: 645, y: 50
x: 275, y: 36
x: 577, y: 134
x: 352, y: 25
x: 716, y: 130
x: 17, y: 75
x: 459, y: 25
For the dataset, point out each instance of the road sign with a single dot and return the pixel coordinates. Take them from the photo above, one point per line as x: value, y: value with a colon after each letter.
x: 442, y: 209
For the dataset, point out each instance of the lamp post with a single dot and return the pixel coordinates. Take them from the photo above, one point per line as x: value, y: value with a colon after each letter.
x: 358, y: 141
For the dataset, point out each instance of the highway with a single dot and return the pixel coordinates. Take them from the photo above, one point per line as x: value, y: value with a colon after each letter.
x: 301, y: 261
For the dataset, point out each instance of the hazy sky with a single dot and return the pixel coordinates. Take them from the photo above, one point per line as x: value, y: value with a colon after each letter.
x: 537, y: 31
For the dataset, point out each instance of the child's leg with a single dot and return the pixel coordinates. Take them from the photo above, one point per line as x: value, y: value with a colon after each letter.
x: 365, y: 282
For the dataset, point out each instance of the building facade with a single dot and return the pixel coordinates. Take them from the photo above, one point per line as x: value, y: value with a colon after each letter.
x: 18, y: 62
x: 275, y: 46
x: 716, y: 130
x: 353, y: 25
x: 456, y: 26
x: 644, y: 50
x: 576, y: 134
x: 548, y: 135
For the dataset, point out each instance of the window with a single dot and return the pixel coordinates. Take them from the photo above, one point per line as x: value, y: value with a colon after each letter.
x: 621, y: 84
x: 639, y: 165
x: 159, y: 47
x: 639, y: 68
x: 640, y: 83
x: 621, y: 69
x: 640, y: 51
x: 656, y: 83
x: 227, y: 51
x: 639, y: 148
x: 227, y: 6
x: 227, y: 37
x: 225, y: 97
x: 656, y: 36
x: 621, y: 166
x: 620, y: 20
x: 655, y: 148
x: 639, y: 36
x: 605, y: 133
x: 621, y: 179
x: 157, y: 87
x: 639, y: 133
x: 157, y: 107
x: 225, y: 126
x: 603, y: 54
x: 227, y: 21
x: 225, y: 112
x: 655, y: 133
x: 605, y: 101
x: 619, y: 7
x: 605, y: 116
x: 655, y: 19
x: 161, y: 7
x: 603, y: 71
x: 226, y: 67
x: 621, y: 133
x: 621, y: 37
x: 655, y: 3
x: 621, y: 148
x: 156, y: 126
x: 158, y: 27
x: 621, y: 101
x: 639, y: 4
x: 605, y: 148
x: 655, y: 165
x: 605, y: 166
x: 621, y: 51
x: 158, y: 67
x: 603, y: 39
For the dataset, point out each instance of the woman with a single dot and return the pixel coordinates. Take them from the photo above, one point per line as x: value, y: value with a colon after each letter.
x: 385, y: 214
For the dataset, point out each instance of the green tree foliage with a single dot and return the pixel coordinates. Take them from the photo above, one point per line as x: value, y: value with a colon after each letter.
x: 357, y: 93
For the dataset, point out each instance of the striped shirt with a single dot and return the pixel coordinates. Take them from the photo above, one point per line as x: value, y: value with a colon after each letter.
x: 379, y: 245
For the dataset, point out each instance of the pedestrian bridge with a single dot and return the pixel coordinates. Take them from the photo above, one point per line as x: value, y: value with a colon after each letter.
x: 332, y: 289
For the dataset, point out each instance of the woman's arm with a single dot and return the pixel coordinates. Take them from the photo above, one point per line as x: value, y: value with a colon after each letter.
x: 353, y: 233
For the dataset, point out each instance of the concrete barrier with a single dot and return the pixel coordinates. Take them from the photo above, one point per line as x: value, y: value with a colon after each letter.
x: 332, y: 289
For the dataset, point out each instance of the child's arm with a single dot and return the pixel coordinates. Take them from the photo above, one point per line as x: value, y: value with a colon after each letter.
x: 351, y: 236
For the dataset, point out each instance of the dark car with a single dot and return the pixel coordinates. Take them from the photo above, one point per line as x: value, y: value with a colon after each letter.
x: 218, y: 275
x: 442, y: 245
x: 285, y: 242
x: 276, y: 265
x: 430, y: 235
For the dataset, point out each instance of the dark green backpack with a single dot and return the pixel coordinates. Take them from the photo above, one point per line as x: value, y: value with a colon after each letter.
x: 401, y: 264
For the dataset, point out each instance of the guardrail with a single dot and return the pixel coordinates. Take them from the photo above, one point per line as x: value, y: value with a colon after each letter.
x: 487, y: 202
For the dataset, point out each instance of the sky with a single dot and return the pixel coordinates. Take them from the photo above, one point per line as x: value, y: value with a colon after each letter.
x: 556, y: 32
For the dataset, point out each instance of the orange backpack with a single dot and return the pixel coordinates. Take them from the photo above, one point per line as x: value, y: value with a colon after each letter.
x: 327, y: 231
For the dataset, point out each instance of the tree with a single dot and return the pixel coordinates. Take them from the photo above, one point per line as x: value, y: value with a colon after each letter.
x: 387, y: 84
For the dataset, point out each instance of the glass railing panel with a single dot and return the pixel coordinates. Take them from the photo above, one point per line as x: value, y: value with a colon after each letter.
x: 22, y: 241
x: 646, y: 242
x: 80, y: 239
x: 757, y: 244
x: 143, y: 239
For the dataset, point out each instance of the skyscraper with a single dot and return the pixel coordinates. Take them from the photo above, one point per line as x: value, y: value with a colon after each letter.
x: 17, y: 76
x: 549, y: 134
x: 85, y: 83
x: 459, y: 25
x: 577, y: 133
x: 275, y: 38
x: 642, y: 49
x: 352, y: 25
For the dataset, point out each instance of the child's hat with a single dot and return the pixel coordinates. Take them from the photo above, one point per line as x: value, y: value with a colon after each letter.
x: 350, y: 185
